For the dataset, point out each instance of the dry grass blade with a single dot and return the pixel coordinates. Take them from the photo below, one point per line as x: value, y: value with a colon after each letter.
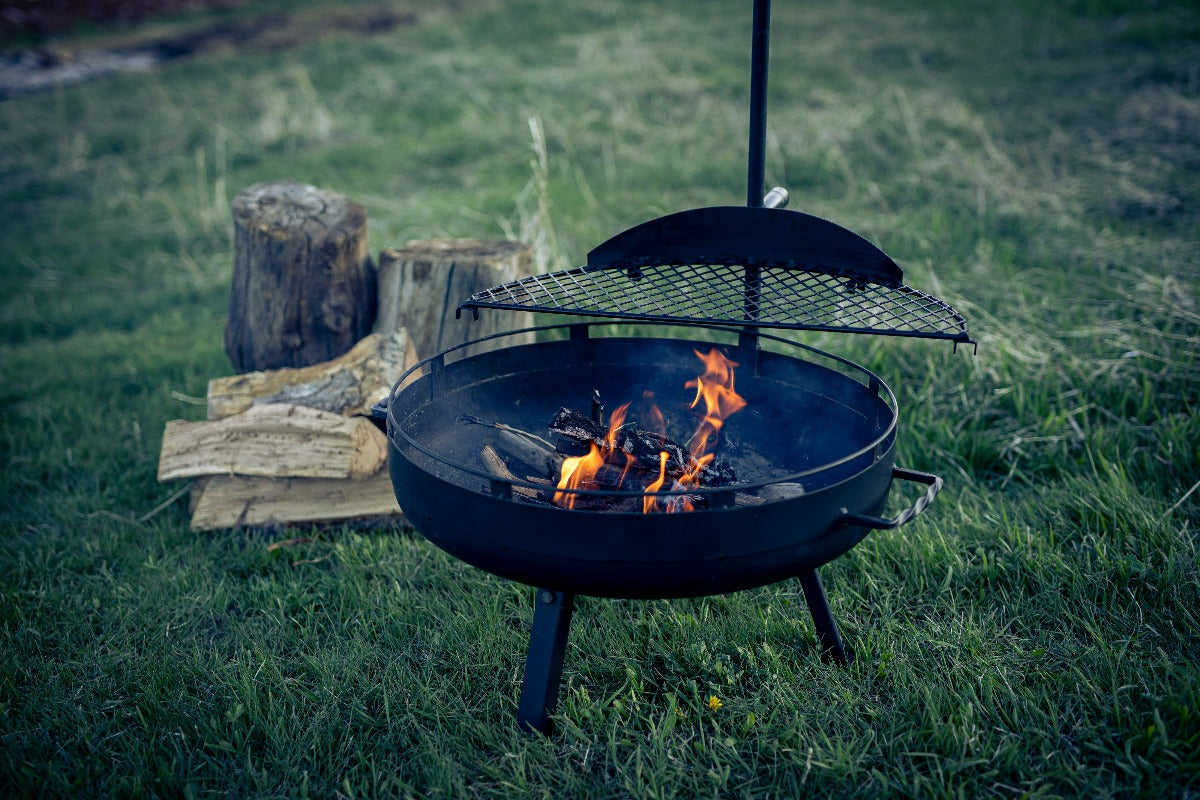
x: 273, y: 546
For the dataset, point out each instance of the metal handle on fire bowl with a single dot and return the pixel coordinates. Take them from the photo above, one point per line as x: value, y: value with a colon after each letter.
x: 879, y: 523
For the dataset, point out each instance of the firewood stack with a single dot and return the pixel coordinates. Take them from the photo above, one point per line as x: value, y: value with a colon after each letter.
x: 292, y: 445
x: 290, y: 441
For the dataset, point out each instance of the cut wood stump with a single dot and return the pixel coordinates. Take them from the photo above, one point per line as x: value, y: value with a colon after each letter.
x: 303, y: 285
x: 422, y: 284
x: 349, y: 384
x: 273, y: 441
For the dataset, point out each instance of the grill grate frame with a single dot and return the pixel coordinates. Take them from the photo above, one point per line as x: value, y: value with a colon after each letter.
x: 716, y: 293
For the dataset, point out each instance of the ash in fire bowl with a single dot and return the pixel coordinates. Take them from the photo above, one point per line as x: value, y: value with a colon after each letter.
x: 681, y: 434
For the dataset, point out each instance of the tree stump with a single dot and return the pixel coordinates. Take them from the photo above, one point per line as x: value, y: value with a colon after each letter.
x: 422, y: 284
x: 303, y: 286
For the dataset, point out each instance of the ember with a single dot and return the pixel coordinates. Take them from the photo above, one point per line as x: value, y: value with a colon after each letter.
x: 640, y: 453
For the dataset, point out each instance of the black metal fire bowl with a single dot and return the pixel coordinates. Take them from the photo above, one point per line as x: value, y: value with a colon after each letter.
x: 812, y: 418
x: 638, y: 556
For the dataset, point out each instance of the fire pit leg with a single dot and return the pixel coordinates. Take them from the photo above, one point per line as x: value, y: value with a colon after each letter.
x: 543, y: 664
x: 832, y: 648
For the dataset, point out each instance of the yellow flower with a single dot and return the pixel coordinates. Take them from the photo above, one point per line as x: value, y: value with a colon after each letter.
x: 714, y: 702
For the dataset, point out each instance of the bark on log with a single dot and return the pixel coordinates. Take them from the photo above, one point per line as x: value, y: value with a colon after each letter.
x: 422, y: 284
x: 234, y: 501
x: 303, y: 284
x: 273, y: 441
x: 347, y: 385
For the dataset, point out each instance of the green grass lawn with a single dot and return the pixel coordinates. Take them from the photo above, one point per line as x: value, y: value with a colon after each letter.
x: 1035, y: 633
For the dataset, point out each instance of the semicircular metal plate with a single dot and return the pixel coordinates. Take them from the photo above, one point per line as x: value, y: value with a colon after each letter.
x: 749, y: 236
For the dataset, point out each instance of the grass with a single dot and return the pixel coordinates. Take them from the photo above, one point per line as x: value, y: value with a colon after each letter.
x: 1035, y: 633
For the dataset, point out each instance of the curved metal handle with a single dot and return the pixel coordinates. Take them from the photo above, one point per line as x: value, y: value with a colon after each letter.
x: 879, y: 523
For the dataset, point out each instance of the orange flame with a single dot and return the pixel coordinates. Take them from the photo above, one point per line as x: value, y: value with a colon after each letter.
x: 652, y: 420
x: 615, y: 421
x: 679, y: 502
x: 715, y: 387
x: 649, y: 502
x: 692, y: 476
x: 576, y: 472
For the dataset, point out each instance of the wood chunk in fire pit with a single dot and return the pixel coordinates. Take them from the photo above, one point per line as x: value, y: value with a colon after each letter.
x: 497, y: 466
x: 577, y: 432
x: 530, y: 453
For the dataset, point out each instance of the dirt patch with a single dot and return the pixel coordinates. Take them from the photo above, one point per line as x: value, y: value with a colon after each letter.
x: 39, y: 18
x: 55, y: 65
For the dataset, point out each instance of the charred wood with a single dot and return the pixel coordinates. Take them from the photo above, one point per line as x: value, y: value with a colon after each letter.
x: 576, y: 432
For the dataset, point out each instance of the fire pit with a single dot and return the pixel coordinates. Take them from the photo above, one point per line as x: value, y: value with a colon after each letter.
x: 814, y: 451
x: 726, y: 483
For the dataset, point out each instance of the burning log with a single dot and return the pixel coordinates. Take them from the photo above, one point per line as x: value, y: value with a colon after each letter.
x: 529, y: 453
x: 576, y: 429
x: 522, y: 451
x: 634, y: 449
x: 624, y: 456
x: 690, y: 467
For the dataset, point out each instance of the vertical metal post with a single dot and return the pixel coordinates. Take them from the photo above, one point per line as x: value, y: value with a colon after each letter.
x: 756, y: 170
x: 832, y: 648
x: 757, y: 149
x: 748, y: 350
x: 544, y: 662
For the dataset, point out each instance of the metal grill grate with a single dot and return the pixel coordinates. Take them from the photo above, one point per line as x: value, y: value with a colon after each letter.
x: 716, y: 294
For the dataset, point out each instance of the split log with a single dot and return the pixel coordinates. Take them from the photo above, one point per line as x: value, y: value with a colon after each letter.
x: 234, y: 501
x: 347, y: 385
x: 303, y: 285
x: 273, y: 441
x: 421, y: 285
